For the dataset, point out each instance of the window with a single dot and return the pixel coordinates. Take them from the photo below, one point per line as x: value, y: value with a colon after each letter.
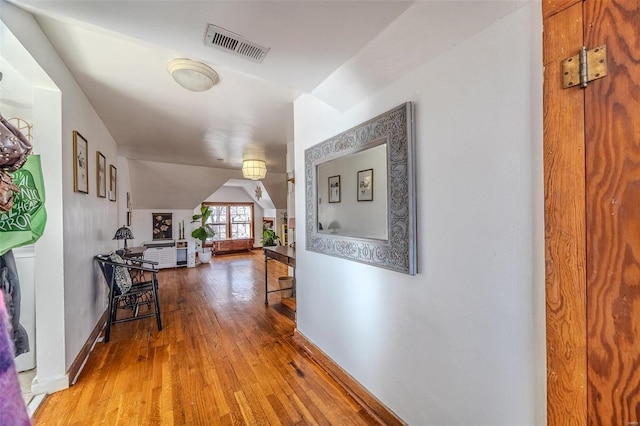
x: 218, y: 221
x: 231, y: 220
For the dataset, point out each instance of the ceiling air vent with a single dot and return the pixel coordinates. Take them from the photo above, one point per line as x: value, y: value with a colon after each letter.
x: 231, y: 42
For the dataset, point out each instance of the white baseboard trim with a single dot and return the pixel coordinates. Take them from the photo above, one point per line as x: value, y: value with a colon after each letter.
x: 34, y: 404
x: 51, y: 385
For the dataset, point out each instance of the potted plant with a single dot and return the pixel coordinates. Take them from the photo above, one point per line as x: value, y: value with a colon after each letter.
x: 269, y: 237
x: 203, y: 232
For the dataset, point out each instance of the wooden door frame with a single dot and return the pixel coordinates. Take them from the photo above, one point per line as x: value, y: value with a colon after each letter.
x: 565, y: 219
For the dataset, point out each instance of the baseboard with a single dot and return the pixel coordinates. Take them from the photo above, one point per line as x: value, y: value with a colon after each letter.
x: 369, y: 403
x: 50, y: 385
x: 83, y: 355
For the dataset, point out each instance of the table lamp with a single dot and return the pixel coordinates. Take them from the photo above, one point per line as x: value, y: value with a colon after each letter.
x: 124, y: 233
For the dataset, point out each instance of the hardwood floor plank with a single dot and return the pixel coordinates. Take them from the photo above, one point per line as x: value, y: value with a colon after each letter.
x: 306, y: 415
x: 245, y: 408
x: 223, y: 357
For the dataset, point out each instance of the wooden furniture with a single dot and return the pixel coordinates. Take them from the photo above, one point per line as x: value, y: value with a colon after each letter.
x: 163, y: 252
x: 134, y: 252
x: 283, y: 254
x: 139, y: 299
x: 228, y: 246
x: 284, y: 235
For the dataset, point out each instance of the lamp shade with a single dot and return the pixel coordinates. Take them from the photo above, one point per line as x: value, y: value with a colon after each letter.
x: 192, y: 75
x: 254, y: 169
x: 123, y: 233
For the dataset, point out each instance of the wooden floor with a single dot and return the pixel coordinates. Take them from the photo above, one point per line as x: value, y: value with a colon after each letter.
x: 223, y: 357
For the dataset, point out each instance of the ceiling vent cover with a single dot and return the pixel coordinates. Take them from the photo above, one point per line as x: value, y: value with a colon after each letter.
x: 231, y: 42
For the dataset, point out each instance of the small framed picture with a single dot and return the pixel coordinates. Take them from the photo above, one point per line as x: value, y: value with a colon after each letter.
x: 128, y: 218
x: 162, y: 226
x: 101, y: 175
x: 334, y: 189
x: 112, y: 182
x: 80, y: 163
x: 365, y: 185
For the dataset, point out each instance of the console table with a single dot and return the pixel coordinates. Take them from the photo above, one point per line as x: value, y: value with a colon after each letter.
x: 161, y: 251
x: 283, y: 254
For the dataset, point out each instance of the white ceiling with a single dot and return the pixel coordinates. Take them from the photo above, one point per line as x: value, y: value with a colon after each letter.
x: 341, y: 51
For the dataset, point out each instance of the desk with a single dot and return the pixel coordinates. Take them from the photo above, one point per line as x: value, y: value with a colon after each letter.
x: 135, y: 252
x: 283, y: 254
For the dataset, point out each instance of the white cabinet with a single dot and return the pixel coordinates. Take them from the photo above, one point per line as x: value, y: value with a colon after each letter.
x: 182, y: 247
x: 162, y: 252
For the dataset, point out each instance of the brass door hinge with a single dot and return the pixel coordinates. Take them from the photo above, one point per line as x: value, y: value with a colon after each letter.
x: 584, y: 67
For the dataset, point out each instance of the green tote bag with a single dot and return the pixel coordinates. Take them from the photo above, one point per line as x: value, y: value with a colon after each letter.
x: 25, y: 222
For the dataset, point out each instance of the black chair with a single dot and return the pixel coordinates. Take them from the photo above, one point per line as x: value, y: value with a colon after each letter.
x: 133, y: 288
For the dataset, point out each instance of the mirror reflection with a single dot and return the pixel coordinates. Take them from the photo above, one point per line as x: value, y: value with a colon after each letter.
x: 352, y: 194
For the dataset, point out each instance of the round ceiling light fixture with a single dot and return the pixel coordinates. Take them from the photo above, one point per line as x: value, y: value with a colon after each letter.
x: 254, y: 169
x: 192, y: 75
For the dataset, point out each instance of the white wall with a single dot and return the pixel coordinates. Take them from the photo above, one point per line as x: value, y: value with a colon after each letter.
x: 70, y: 297
x: 462, y: 342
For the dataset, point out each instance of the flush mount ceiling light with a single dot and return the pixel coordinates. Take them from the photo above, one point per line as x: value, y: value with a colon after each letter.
x: 254, y: 169
x: 192, y: 75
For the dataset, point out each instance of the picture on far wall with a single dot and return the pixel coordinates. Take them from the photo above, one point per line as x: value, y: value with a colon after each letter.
x: 112, y: 182
x: 162, y: 229
x: 268, y: 222
x: 365, y: 185
x: 334, y: 189
x: 80, y: 163
x: 101, y: 175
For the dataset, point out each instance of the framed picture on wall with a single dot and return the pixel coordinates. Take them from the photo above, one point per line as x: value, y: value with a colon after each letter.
x: 268, y: 222
x: 162, y: 226
x: 112, y: 182
x: 80, y: 163
x: 334, y: 189
x: 365, y: 185
x: 101, y: 175
x: 128, y: 218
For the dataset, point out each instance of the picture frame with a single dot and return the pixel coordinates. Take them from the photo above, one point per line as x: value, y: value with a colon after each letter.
x: 128, y: 201
x: 80, y: 163
x: 365, y: 185
x: 398, y: 251
x: 101, y: 175
x: 334, y: 189
x: 268, y: 222
x: 128, y: 218
x: 113, y: 173
x: 162, y: 226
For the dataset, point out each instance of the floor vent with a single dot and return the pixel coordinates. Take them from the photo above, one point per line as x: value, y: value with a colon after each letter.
x: 231, y: 42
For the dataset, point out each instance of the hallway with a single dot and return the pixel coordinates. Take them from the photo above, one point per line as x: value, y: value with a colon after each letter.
x: 221, y: 358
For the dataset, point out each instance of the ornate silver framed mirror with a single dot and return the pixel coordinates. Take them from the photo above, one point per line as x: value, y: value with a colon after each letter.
x: 360, y: 193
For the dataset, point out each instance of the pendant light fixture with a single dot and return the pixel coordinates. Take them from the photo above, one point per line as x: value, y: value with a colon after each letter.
x: 254, y: 169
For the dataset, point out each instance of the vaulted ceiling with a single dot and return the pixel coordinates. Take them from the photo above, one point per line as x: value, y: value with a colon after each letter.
x: 340, y: 51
